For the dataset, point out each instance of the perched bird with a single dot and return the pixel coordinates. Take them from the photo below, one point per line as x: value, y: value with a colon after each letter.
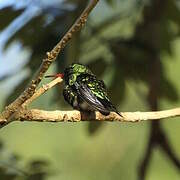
x: 84, y: 92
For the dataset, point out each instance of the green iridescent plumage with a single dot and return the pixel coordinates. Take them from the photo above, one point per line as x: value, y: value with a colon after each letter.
x: 83, y: 91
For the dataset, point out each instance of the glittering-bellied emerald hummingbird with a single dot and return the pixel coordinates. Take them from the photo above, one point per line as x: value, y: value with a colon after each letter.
x: 84, y: 92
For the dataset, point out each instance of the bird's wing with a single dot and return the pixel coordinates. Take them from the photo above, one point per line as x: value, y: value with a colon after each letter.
x: 94, y: 93
x: 86, y: 94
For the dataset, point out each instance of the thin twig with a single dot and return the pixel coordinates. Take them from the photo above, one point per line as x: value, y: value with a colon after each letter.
x: 42, y: 90
x: 76, y: 116
x: 51, y: 57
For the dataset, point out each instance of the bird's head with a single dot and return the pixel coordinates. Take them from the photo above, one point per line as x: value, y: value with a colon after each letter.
x: 73, y: 71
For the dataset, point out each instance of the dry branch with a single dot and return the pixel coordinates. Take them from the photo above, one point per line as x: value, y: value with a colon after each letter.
x: 76, y: 116
x: 42, y: 90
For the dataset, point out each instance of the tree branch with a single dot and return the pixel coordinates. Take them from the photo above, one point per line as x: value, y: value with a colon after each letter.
x: 76, y: 116
x: 42, y: 90
x: 51, y: 57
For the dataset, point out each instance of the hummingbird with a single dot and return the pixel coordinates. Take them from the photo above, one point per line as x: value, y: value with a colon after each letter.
x: 84, y: 91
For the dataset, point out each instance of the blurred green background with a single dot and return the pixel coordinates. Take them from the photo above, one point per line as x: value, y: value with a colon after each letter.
x: 133, y: 45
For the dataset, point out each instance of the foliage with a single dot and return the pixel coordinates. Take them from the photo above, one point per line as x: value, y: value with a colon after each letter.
x: 10, y: 168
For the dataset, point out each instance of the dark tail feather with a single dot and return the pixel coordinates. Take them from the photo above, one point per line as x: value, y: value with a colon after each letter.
x: 116, y: 111
x: 119, y: 113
